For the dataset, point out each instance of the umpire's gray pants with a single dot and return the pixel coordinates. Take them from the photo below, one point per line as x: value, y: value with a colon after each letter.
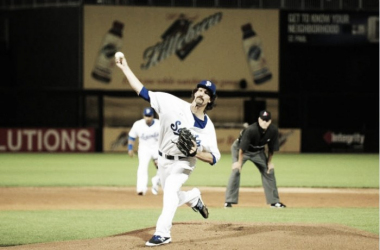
x: 268, y: 180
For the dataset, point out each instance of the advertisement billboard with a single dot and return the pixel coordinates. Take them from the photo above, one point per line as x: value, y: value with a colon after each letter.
x: 47, y: 140
x: 116, y: 139
x: 175, y: 48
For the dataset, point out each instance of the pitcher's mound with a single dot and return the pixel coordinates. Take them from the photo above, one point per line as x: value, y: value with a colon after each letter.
x: 229, y: 236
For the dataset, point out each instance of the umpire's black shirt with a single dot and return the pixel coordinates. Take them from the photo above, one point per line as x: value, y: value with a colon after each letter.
x: 254, y: 138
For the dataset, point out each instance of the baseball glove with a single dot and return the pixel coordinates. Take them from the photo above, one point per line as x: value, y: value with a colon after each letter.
x: 185, y: 142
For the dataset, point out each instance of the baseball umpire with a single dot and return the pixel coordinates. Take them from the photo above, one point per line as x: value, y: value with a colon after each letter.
x: 251, y: 146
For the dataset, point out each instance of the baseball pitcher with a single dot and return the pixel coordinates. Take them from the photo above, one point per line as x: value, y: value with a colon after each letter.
x: 186, y: 134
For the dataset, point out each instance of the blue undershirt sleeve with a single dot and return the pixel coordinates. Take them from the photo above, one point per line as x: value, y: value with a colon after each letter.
x: 144, y: 94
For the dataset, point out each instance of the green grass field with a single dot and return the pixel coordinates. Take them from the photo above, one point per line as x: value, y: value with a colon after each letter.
x: 292, y: 170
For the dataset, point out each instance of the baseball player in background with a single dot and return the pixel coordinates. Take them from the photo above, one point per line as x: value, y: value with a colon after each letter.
x: 174, y: 165
x: 147, y: 130
x: 251, y: 146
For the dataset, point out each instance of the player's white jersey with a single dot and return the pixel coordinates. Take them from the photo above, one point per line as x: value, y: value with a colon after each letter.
x: 148, y: 135
x: 174, y: 114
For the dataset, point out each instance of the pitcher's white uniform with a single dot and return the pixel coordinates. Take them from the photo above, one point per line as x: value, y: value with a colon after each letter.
x: 174, y: 167
x: 174, y: 113
x: 148, y: 149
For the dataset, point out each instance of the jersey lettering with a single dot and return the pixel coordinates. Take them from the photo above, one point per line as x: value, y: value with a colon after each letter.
x: 175, y: 127
x: 148, y: 136
x: 197, y: 140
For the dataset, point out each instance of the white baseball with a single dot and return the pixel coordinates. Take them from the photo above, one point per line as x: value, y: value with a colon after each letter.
x: 119, y: 55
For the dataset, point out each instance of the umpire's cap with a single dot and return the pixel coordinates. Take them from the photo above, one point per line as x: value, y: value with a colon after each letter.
x: 148, y: 112
x: 265, y: 115
x: 208, y: 85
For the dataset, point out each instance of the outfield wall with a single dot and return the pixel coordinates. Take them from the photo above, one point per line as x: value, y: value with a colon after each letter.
x: 116, y: 139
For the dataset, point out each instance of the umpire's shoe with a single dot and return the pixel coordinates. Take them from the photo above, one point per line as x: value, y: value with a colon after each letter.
x: 157, y: 240
x: 277, y: 205
x: 201, y: 208
x: 227, y: 205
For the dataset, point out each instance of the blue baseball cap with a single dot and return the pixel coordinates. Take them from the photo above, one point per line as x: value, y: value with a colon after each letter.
x: 148, y: 112
x: 208, y: 85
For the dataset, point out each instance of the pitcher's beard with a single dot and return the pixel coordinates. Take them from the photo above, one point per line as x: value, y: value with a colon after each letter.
x: 199, y: 102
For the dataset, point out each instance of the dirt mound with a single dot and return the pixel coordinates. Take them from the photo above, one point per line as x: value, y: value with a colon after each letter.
x: 229, y: 236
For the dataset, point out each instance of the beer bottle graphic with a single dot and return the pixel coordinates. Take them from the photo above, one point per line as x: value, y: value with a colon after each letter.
x: 255, y: 55
x: 181, y: 26
x: 105, y: 61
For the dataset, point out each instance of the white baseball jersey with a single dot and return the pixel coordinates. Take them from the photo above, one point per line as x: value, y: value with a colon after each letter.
x: 148, y: 149
x: 148, y: 135
x: 174, y: 114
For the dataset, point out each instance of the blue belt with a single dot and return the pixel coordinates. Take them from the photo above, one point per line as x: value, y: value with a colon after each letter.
x: 171, y: 157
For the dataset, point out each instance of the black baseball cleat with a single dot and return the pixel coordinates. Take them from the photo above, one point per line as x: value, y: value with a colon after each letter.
x: 277, y: 205
x: 201, y: 208
x: 157, y: 240
x: 227, y: 205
